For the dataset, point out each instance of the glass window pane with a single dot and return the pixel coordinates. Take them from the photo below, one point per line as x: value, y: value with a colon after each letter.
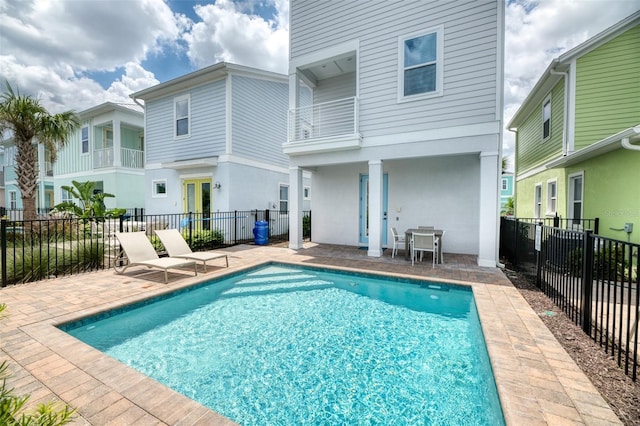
x: 182, y: 108
x: 420, y: 50
x: 182, y: 126
x: 420, y: 80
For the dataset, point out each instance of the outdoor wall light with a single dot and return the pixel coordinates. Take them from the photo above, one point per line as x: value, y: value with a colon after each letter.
x: 216, y: 185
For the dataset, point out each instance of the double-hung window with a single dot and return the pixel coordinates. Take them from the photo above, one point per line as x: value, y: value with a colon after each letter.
x: 13, y: 200
x: 575, y: 197
x: 546, y: 119
x: 552, y: 197
x: 182, y: 113
x: 85, y: 140
x: 65, y: 195
x: 537, y: 200
x: 505, y: 185
x: 284, y: 198
x: 420, y: 64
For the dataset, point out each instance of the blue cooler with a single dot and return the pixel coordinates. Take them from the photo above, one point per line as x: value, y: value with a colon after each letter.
x: 261, y: 233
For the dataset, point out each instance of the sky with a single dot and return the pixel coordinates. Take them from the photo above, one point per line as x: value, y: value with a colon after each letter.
x: 76, y: 54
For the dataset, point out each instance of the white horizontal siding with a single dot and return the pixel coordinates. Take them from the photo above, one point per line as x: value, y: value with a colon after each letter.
x: 470, y: 57
x: 70, y: 158
x: 331, y: 89
x: 259, y: 119
x: 207, y: 137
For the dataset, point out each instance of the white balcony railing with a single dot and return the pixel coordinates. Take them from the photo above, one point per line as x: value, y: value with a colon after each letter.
x: 102, y: 158
x: 131, y: 158
x: 325, y: 120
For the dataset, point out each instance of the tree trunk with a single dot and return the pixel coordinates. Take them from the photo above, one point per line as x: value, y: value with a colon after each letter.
x: 27, y: 174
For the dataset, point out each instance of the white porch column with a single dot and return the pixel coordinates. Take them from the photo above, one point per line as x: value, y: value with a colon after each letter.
x: 375, y: 208
x: 295, y: 207
x: 117, y: 143
x: 489, y: 214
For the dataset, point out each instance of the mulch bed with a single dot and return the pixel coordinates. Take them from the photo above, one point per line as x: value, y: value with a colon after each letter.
x: 622, y: 394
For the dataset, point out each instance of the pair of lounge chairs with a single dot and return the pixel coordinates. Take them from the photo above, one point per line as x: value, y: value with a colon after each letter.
x: 140, y: 252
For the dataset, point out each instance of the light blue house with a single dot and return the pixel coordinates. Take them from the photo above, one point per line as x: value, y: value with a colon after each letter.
x: 506, y: 189
x: 214, y: 142
x: 108, y: 149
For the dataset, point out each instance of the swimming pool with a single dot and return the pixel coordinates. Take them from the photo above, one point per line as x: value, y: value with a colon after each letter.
x: 289, y: 345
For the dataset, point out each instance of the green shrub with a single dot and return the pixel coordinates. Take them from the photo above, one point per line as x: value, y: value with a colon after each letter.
x: 204, y: 240
x: 608, y: 263
x: 306, y: 227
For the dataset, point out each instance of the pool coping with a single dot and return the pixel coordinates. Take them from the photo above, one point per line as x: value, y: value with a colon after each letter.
x: 537, y: 381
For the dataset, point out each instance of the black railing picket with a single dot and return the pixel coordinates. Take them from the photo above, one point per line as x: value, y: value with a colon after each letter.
x: 3, y: 247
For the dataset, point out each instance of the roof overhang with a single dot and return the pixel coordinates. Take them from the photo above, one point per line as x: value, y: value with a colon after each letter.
x: 191, y: 164
x: 611, y: 143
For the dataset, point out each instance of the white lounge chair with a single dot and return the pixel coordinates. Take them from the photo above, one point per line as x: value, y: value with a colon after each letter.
x: 140, y: 252
x: 176, y: 246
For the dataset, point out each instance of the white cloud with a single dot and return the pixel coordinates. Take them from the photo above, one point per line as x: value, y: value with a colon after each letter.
x: 49, y: 45
x: 226, y: 33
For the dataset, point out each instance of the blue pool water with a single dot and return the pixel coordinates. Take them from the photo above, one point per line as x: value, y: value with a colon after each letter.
x: 294, y: 346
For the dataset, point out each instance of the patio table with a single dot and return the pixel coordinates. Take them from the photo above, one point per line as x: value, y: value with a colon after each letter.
x: 439, y: 233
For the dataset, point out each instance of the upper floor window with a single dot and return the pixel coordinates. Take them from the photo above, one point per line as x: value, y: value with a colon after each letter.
x: 182, y: 112
x: 537, y: 199
x: 546, y: 119
x: 552, y: 197
x: 85, y: 140
x: 505, y: 186
x: 108, y: 138
x: 420, y: 65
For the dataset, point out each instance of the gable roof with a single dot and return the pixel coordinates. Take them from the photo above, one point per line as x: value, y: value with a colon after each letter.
x: 201, y: 76
x: 553, y: 73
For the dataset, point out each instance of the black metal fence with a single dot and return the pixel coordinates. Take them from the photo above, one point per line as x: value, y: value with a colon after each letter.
x: 592, y: 278
x: 53, y: 247
x: 18, y: 214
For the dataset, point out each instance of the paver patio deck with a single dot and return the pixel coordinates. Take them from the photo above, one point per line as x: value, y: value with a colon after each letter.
x: 538, y: 382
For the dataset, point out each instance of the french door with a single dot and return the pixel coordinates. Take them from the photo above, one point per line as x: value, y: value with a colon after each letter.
x: 197, y: 199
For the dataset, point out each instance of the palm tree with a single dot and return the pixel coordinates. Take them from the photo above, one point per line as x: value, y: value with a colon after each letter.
x: 25, y: 120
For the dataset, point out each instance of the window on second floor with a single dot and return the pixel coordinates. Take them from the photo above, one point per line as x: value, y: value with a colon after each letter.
x: 182, y: 111
x: 284, y: 198
x: 505, y: 185
x: 537, y: 200
x: 85, y: 140
x: 552, y: 197
x: 546, y: 119
x: 108, y: 138
x: 420, y: 65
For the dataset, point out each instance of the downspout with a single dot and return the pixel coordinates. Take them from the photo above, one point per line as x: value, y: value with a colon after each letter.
x: 565, y: 112
x: 626, y: 144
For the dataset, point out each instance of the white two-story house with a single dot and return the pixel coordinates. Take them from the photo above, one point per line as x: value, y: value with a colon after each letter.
x: 396, y: 106
x: 108, y: 149
x: 214, y: 141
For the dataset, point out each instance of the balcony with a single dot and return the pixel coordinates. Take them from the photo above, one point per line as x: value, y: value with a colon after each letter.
x: 328, y: 126
x: 131, y: 158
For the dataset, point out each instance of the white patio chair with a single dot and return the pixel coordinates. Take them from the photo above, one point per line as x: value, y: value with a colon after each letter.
x: 397, y: 240
x: 423, y: 242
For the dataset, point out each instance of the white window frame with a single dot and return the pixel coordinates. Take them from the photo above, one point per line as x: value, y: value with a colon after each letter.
x: 505, y: 184
x: 552, y: 197
x: 281, y: 200
x: 83, y: 140
x: 65, y: 195
x: 13, y: 199
x: 547, y: 101
x: 439, y: 62
x: 154, y: 188
x: 176, y: 100
x: 571, y: 196
x: 537, y: 201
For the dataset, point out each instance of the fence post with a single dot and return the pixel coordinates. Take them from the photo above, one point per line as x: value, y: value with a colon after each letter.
x: 515, y: 243
x: 190, y: 227
x: 235, y: 227
x: 596, y: 226
x: 3, y: 250
x: 587, y: 280
x: 538, y: 253
x: 556, y: 221
x: 266, y: 216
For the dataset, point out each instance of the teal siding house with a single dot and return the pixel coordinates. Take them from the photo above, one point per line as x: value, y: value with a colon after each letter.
x: 578, y: 135
x: 506, y: 189
x: 108, y: 149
